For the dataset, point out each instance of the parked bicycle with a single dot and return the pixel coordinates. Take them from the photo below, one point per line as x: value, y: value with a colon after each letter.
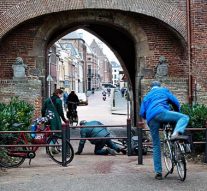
x: 72, y: 114
x: 174, y: 152
x: 18, y: 147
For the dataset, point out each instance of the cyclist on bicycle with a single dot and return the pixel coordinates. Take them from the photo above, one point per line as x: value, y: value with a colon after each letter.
x: 156, y: 109
x: 72, y: 102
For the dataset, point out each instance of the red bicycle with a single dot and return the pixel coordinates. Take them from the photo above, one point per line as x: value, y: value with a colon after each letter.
x: 18, y: 148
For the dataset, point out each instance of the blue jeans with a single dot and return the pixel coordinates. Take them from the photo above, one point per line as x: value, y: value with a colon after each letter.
x: 181, y: 121
x: 99, y: 144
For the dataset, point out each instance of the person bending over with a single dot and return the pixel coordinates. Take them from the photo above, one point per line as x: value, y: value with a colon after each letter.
x: 95, y: 132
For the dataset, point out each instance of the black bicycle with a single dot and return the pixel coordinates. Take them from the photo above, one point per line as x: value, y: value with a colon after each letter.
x: 72, y: 114
x: 174, y: 153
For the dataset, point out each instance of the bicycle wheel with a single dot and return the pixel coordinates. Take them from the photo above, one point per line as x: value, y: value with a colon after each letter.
x: 7, y: 154
x: 167, y: 153
x: 70, y: 120
x: 55, y: 152
x: 180, y: 161
x: 75, y: 120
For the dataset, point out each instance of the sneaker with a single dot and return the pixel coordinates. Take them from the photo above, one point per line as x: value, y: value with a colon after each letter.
x: 111, y: 151
x: 158, y: 176
x: 177, y: 136
x: 123, y: 151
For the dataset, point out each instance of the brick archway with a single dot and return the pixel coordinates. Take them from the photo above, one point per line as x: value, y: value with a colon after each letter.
x: 132, y: 39
x: 29, y: 9
x: 116, y: 33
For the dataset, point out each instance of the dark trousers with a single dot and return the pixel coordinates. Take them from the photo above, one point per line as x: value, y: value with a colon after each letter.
x: 99, y: 146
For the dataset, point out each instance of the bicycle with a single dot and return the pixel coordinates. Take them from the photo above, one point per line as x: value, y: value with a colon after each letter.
x: 72, y: 113
x: 18, y: 148
x: 174, y: 153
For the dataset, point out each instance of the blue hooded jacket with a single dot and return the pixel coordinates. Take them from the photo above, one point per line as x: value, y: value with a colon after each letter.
x: 157, y: 101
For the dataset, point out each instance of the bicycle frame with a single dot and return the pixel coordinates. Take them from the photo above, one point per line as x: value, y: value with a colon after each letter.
x: 29, y: 149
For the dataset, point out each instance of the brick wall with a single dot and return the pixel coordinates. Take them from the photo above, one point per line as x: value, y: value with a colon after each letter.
x: 179, y: 87
x: 163, y: 42
x: 6, y: 5
x: 18, y: 43
x: 199, y: 39
x: 164, y: 10
x: 27, y: 90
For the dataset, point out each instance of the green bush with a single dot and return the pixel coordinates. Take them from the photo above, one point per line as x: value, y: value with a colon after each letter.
x: 198, y: 118
x: 17, y: 111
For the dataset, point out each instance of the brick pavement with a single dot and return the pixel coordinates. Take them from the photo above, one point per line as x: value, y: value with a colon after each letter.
x: 96, y: 173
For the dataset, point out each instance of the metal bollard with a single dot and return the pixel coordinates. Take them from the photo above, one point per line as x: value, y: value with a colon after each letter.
x: 140, y: 157
x: 64, y: 134
x: 129, y: 137
x: 68, y: 132
x: 113, y: 102
x: 140, y: 146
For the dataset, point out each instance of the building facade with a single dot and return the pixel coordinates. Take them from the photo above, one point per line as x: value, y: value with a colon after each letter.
x: 74, y: 43
x: 93, y: 70
x: 105, y: 69
x: 116, y: 68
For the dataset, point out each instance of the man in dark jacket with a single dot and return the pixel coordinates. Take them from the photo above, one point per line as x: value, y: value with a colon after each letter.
x: 72, y: 102
x: 156, y: 109
x: 93, y: 132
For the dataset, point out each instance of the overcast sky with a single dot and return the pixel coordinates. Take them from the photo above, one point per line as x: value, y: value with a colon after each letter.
x: 88, y: 37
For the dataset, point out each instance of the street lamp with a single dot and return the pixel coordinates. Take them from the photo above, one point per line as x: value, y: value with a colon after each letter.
x: 49, y: 77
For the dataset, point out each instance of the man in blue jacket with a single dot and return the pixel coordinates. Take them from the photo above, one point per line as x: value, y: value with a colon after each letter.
x: 156, y: 109
x: 95, y: 132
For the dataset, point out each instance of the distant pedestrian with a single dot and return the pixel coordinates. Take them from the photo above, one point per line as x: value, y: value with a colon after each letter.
x: 65, y: 97
x: 122, y: 91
